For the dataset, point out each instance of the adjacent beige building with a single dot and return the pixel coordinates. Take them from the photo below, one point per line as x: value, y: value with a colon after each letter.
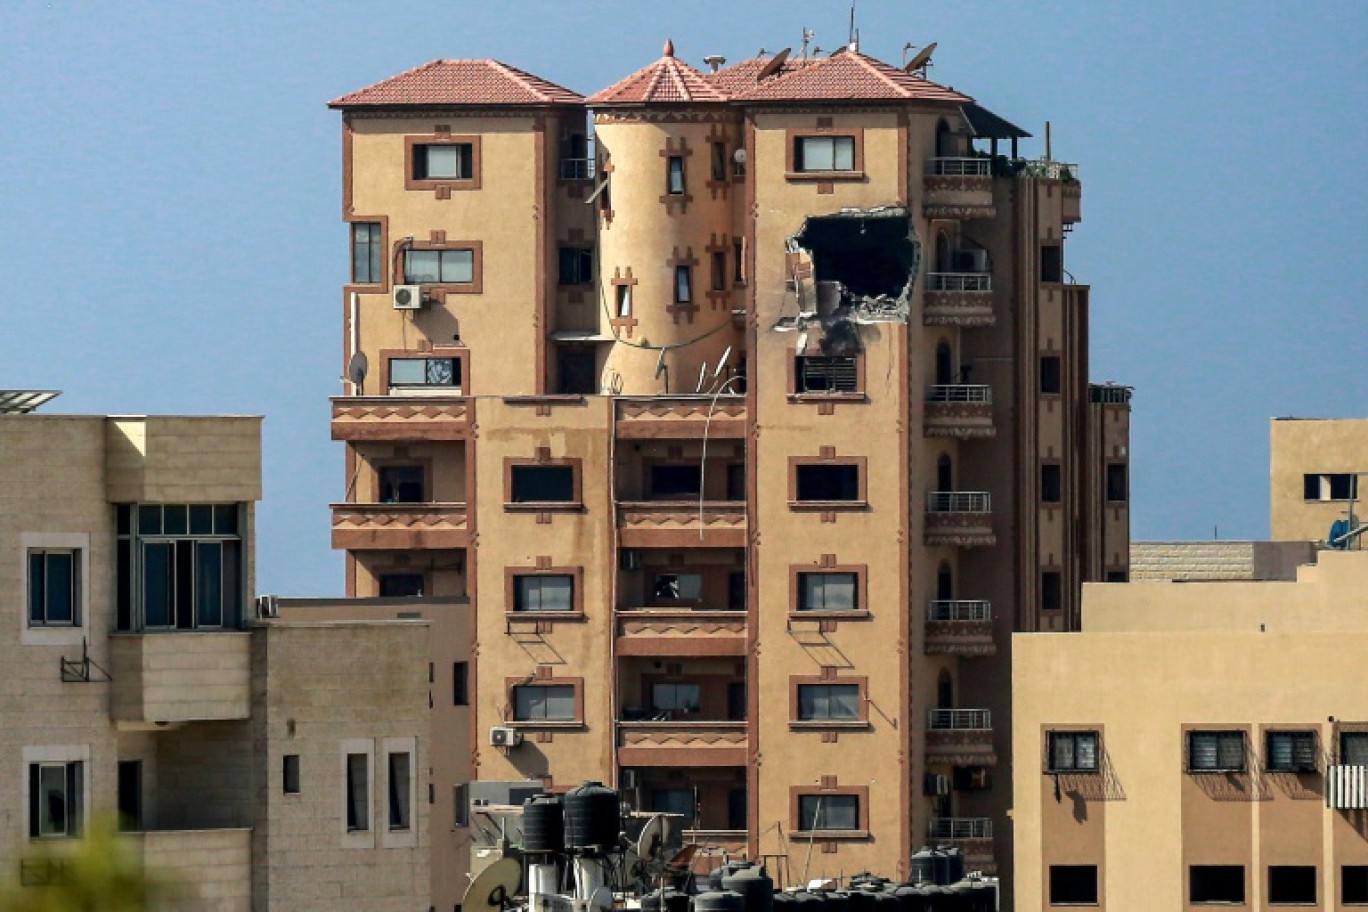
x: 1317, y: 469
x: 139, y: 682
x: 749, y: 412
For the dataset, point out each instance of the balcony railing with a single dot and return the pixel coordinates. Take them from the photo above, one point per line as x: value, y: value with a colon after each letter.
x: 959, y: 502
x: 1105, y: 394
x: 959, y: 281
x: 577, y: 168
x: 959, y: 392
x: 959, y: 167
x: 960, y: 719
x: 959, y: 610
x: 961, y: 828
x: 1050, y: 170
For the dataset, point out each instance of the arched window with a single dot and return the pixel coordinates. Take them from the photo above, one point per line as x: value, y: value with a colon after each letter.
x: 945, y: 473
x: 945, y: 582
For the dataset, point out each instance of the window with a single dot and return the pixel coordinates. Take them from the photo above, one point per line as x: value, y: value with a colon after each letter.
x: 829, y: 703
x: 821, y: 374
x: 828, y: 812
x: 624, y: 300
x: 1216, y: 884
x: 738, y: 262
x: 719, y: 161
x: 828, y: 482
x: 443, y: 161
x: 824, y: 153
x: 576, y: 370
x: 56, y: 798
x: 674, y: 175
x: 400, y: 791
x: 1117, y: 576
x: 676, y: 698
x: 736, y: 809
x: 1051, y: 263
x: 358, y: 792
x: 401, y: 484
x: 54, y: 582
x: 421, y: 372
x: 1292, y: 884
x: 736, y: 481
x: 1051, y: 484
x: 1291, y: 751
x: 576, y: 266
x: 1216, y: 752
x: 129, y: 795
x: 440, y: 267
x: 1073, y: 752
x: 179, y: 566
x: 1118, y: 491
x: 1343, y: 486
x: 672, y: 482
x: 543, y: 484
x: 401, y: 585
x: 736, y: 590
x: 1354, y: 748
x: 289, y: 774
x: 366, y: 253
x: 828, y: 592
x: 1354, y: 884
x: 544, y: 592
x: 1051, y: 590
x: 460, y: 805
x: 1051, y: 376
x: 719, y: 271
x: 1073, y: 885
x: 460, y: 684
x: 683, y: 285
x: 677, y: 587
x: 674, y: 801
x: 544, y: 703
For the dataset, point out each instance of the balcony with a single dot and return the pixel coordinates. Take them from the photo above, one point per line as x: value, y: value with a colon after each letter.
x: 679, y: 744
x: 399, y: 526
x: 680, y: 632
x: 958, y: 299
x: 960, y: 737
x: 962, y: 410
x: 959, y: 627
x: 577, y: 169
x: 958, y: 188
x: 214, y: 867
x: 361, y: 418
x: 180, y: 676
x: 960, y: 518
x: 682, y: 524
x: 971, y: 835
x: 682, y: 418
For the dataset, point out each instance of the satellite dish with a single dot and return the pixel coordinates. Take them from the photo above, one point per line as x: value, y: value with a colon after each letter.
x: 660, y: 365
x: 652, y: 838
x: 722, y: 362
x: 922, y: 59
x: 356, y: 369
x: 739, y: 156
x: 493, y: 888
x: 839, y: 51
x: 775, y: 64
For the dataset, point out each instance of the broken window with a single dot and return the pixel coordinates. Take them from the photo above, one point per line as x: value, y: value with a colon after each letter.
x: 674, y: 175
x: 824, y: 153
x: 576, y: 266
x: 683, y: 285
x: 821, y: 374
x: 871, y: 253
x: 828, y: 481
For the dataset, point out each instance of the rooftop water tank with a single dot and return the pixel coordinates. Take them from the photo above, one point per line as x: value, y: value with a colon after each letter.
x: 592, y: 818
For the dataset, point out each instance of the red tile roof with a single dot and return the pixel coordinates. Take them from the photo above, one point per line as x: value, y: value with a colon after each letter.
x: 667, y: 81
x: 460, y: 82
x: 741, y: 75
x: 849, y: 76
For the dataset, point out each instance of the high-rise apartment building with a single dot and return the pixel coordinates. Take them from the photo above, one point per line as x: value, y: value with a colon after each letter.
x: 749, y: 410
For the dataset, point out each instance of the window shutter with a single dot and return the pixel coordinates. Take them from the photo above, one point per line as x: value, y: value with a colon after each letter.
x: 1202, y: 749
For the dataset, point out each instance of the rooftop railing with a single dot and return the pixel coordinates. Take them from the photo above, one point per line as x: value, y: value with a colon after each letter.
x: 959, y: 281
x: 959, y: 392
x: 960, y: 719
x: 959, y: 610
x: 959, y: 167
x: 959, y: 502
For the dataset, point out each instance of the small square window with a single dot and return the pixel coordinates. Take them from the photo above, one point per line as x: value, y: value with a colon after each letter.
x: 1291, y: 751
x: 824, y: 153
x: 828, y: 592
x: 576, y: 266
x: 544, y: 703
x: 54, y: 583
x: 1216, y: 752
x: 828, y: 812
x: 443, y: 161
x: 544, y: 592
x: 1073, y: 885
x: 828, y: 482
x: 542, y: 484
x: 1292, y: 885
x: 290, y: 774
x: 1073, y: 752
x: 1216, y: 884
x: 822, y: 374
x: 829, y: 703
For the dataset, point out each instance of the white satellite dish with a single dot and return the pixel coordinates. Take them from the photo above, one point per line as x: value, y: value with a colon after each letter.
x: 702, y: 375
x: 722, y: 362
x: 652, y: 838
x: 493, y: 889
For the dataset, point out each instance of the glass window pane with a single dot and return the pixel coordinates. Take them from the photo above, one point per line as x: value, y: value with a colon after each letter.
x: 528, y: 703
x: 399, y: 815
x: 560, y: 702
x: 1354, y: 748
x: 175, y: 519
x: 557, y: 593
x: 421, y: 266
x: 1231, y: 750
x: 683, y: 292
x: 408, y: 371
x: 844, y: 701
x: 201, y: 519
x: 52, y: 800
x: 440, y: 372
x: 839, y: 591
x: 817, y: 153
x: 458, y: 266
x: 158, y: 583
x: 149, y: 520
x: 1203, y: 748
x: 61, y: 585
x: 843, y: 154
x: 37, y: 585
x: 444, y: 161
x: 225, y: 519
x: 1086, y: 744
x: 208, y: 584
x: 1280, y: 750
x: 811, y: 591
x: 840, y: 812
x: 809, y: 698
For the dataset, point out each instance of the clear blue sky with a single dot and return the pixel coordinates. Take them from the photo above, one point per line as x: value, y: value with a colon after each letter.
x: 172, y: 239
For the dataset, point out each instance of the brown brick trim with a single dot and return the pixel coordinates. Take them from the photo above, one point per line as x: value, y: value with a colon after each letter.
x: 442, y: 188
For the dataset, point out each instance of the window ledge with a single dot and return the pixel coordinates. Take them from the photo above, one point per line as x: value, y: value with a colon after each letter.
x: 1066, y: 772
x: 830, y: 724
x: 858, y: 396
x: 546, y: 615
x: 533, y: 724
x: 823, y: 506
x: 1218, y: 772
x: 824, y: 175
x: 828, y: 834
x: 557, y: 506
x: 817, y: 614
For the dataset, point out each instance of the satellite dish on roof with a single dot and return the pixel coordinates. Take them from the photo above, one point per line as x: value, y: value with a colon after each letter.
x: 493, y: 888
x: 356, y: 369
x: 775, y: 65
x: 922, y: 59
x: 652, y: 839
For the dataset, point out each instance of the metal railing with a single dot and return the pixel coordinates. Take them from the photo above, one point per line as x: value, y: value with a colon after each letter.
x: 961, y: 828
x: 959, y: 281
x: 959, y: 610
x: 1050, y: 170
x: 960, y: 719
x: 577, y: 168
x: 1346, y: 787
x: 959, y: 502
x: 959, y: 167
x: 1109, y: 395
x: 959, y: 392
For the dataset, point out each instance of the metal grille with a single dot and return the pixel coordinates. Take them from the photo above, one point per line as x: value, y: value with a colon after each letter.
x: 960, y: 719
x: 959, y: 610
x: 828, y: 375
x: 959, y: 502
x: 961, y: 828
x: 959, y: 392
x: 1346, y: 787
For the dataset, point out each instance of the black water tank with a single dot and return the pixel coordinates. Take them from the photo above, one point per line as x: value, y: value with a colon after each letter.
x: 543, y: 824
x: 667, y: 900
x: 754, y: 883
x: 592, y: 817
x: 837, y: 901
x: 950, y: 867
x: 923, y: 867
x: 859, y: 901
x: 884, y: 900
x: 784, y: 901
x: 910, y: 898
x: 719, y: 901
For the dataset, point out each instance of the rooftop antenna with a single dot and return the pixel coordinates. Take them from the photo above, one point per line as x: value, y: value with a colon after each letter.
x: 808, y: 35
x: 853, y: 38
x: 922, y: 60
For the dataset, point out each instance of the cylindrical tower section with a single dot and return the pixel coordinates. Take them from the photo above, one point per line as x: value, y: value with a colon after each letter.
x: 666, y: 142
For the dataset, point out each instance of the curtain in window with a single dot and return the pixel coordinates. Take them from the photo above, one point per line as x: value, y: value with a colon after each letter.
x: 444, y: 161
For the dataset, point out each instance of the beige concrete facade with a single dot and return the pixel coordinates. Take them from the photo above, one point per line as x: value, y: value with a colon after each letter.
x: 137, y: 681
x: 985, y: 479
x: 1318, y: 469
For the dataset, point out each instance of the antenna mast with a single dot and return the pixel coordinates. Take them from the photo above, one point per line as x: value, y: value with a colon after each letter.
x: 853, y: 40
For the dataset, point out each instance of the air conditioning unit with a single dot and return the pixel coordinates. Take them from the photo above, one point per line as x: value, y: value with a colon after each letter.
x: 934, y: 784
x: 629, y: 559
x: 408, y: 297
x: 502, y: 736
